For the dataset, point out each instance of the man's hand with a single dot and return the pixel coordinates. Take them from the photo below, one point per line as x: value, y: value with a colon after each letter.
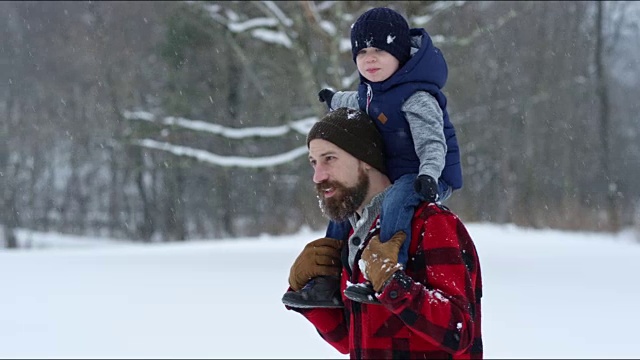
x: 380, y: 260
x: 325, y: 95
x: 319, y: 257
x: 426, y: 187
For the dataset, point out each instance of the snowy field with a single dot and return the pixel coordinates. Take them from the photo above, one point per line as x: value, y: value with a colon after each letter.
x: 547, y: 294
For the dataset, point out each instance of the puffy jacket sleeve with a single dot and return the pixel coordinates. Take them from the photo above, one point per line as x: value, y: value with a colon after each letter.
x: 330, y: 324
x: 347, y: 99
x: 427, y: 130
x: 438, y: 301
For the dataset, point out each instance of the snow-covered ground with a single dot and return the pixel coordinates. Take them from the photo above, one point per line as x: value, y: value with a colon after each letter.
x: 547, y: 294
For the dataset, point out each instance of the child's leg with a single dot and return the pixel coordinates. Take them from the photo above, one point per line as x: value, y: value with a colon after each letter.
x: 444, y: 190
x: 321, y: 291
x: 398, y: 208
x: 338, y: 230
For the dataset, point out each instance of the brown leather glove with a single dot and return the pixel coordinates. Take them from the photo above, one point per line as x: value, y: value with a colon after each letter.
x: 319, y: 257
x: 380, y: 260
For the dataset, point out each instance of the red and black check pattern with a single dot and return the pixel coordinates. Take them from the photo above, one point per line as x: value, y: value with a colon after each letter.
x: 430, y: 310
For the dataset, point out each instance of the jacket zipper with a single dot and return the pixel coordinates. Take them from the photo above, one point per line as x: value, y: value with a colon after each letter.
x: 369, y: 97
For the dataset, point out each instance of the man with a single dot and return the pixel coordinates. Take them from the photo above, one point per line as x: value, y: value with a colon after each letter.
x: 428, y: 309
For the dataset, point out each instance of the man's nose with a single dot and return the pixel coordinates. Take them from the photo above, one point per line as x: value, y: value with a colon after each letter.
x: 319, y: 174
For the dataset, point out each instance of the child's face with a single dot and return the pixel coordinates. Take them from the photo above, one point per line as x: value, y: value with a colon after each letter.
x: 375, y: 64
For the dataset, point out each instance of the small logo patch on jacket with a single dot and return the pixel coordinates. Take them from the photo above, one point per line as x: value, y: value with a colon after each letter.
x: 383, y: 118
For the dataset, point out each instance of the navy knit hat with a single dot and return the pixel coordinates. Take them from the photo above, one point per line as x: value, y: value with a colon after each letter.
x: 384, y: 29
x: 354, y: 132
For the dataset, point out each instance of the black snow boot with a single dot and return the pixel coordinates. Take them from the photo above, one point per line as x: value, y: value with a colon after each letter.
x: 321, y: 292
x: 362, y: 293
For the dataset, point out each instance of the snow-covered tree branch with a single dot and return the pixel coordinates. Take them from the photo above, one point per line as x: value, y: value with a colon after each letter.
x: 300, y: 126
x: 227, y: 161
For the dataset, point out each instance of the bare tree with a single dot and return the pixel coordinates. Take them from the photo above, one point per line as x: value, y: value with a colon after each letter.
x: 542, y: 95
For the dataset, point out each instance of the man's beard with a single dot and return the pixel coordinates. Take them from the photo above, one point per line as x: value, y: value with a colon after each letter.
x: 346, y: 200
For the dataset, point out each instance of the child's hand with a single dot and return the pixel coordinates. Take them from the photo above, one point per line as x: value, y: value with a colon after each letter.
x: 325, y: 95
x: 426, y: 187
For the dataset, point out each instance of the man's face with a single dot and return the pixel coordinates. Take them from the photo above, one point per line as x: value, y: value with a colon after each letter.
x: 341, y: 181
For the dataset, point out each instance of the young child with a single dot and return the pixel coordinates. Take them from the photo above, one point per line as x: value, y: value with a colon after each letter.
x: 401, y: 77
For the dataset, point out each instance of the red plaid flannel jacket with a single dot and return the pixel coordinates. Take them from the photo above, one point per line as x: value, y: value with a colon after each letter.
x: 431, y: 310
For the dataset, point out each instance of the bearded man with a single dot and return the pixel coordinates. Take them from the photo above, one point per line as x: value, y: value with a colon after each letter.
x: 429, y: 308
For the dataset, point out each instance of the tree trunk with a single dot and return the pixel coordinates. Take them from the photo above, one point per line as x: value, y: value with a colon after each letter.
x: 609, y: 179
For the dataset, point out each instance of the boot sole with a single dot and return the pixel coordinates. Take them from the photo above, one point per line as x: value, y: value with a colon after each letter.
x: 361, y: 294
x: 311, y: 305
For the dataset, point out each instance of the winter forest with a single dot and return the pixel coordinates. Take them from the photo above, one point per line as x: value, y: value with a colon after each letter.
x: 170, y: 121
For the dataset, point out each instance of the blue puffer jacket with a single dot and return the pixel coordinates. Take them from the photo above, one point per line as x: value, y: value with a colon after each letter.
x: 426, y: 71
